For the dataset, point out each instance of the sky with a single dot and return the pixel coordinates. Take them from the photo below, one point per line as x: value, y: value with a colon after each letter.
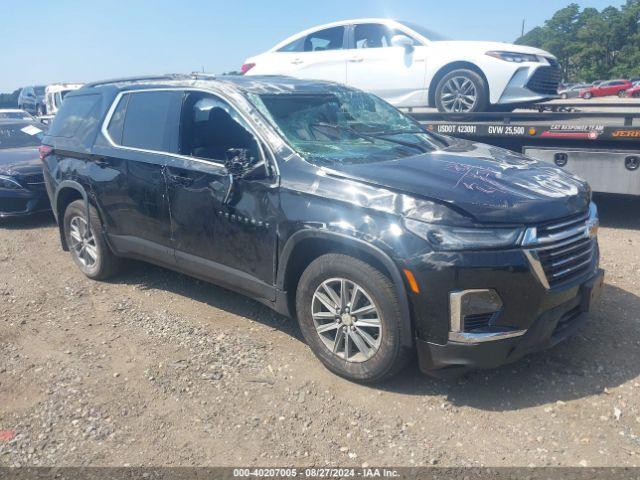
x: 80, y: 41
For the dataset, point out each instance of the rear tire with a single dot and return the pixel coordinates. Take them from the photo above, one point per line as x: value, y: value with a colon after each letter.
x: 564, y: 96
x: 347, y: 341
x: 462, y: 91
x: 89, y: 249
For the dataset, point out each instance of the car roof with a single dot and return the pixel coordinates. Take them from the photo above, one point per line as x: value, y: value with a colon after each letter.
x: 258, y: 84
x: 339, y: 23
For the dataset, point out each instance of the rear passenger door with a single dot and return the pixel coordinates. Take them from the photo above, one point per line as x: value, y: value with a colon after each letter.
x: 320, y: 55
x: 141, y: 133
x: 224, y: 232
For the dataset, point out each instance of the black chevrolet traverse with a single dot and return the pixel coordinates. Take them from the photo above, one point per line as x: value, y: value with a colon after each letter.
x: 331, y: 206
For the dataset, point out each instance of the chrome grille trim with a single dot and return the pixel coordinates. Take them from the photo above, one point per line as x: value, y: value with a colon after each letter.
x: 561, y: 252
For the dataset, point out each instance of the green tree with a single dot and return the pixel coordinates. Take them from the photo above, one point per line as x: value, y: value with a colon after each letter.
x: 592, y: 44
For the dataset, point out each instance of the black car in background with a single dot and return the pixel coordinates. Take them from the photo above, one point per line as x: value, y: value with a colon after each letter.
x: 329, y: 205
x: 22, y: 189
x: 31, y: 99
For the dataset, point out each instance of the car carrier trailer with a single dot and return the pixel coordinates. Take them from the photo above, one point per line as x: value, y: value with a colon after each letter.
x: 603, y: 147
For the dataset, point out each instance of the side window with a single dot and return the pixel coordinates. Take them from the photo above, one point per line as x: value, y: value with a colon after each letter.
x: 210, y: 127
x: 149, y: 120
x: 295, y: 46
x: 375, y: 35
x: 117, y: 120
x: 327, y: 39
x: 78, y: 114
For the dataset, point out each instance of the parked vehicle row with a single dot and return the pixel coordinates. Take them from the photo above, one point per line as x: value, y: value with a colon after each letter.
x: 605, y: 89
x: 411, y: 66
x: 22, y: 190
x: 42, y: 101
x: 31, y: 99
x: 327, y: 204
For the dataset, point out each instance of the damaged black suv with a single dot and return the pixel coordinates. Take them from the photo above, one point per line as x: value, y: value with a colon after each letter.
x: 331, y: 206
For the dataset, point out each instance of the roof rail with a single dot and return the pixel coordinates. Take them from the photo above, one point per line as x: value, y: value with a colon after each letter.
x: 169, y: 76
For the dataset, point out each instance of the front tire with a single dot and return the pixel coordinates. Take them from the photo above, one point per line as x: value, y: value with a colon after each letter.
x: 622, y: 93
x: 88, y: 247
x: 462, y: 91
x: 350, y: 317
x: 587, y: 96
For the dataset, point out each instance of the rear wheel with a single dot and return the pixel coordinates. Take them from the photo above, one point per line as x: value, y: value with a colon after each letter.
x: 350, y: 317
x: 88, y: 247
x: 462, y: 91
x: 564, y: 96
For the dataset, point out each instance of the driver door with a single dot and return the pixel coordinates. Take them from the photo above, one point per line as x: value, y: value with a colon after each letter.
x: 223, y: 228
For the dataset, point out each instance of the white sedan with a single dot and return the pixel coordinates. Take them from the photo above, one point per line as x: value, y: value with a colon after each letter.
x: 410, y: 66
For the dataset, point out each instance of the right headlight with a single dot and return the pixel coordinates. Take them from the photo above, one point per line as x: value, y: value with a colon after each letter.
x: 514, y: 57
x: 9, y: 183
x: 444, y: 237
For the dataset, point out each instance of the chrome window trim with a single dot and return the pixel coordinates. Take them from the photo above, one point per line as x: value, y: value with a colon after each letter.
x: 116, y: 101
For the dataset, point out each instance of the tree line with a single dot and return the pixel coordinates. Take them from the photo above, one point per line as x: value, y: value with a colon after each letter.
x: 9, y: 100
x: 591, y: 44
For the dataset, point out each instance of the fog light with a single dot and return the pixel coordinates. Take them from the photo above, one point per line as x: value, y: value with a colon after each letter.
x: 472, y: 316
x: 473, y: 309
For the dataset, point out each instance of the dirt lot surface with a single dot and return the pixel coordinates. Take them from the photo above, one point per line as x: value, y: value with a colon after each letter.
x: 155, y: 368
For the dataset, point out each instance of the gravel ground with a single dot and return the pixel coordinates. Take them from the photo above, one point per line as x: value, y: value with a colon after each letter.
x: 155, y: 368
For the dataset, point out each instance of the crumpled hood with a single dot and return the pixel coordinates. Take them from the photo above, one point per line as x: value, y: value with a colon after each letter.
x: 491, y: 184
x: 20, y: 161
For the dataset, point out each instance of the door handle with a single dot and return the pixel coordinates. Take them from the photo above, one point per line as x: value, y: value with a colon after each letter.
x: 181, y: 180
x: 297, y: 61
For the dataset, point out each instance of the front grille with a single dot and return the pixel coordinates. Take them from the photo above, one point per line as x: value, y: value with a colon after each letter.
x: 34, y: 179
x: 564, y: 251
x: 545, y: 80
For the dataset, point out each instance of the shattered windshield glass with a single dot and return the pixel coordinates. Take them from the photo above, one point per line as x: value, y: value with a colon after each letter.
x: 343, y: 126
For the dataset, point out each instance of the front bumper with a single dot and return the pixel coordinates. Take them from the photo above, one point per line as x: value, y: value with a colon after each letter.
x: 548, y: 329
x: 20, y: 203
x: 529, y: 85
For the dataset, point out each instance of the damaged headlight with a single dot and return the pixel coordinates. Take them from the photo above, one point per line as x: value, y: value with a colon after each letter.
x: 445, y: 237
x: 446, y: 229
x: 514, y: 57
x: 9, y: 183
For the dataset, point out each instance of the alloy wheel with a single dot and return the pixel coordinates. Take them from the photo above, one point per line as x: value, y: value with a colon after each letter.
x: 459, y: 94
x: 346, y: 319
x: 83, y: 243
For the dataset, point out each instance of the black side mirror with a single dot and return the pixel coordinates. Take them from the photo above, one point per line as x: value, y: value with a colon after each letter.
x: 239, y: 161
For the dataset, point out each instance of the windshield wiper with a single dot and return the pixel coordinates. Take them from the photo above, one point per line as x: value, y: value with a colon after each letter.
x: 374, y: 136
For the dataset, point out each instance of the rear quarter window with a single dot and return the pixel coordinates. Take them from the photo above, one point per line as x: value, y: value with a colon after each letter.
x: 147, y: 120
x: 77, y: 117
